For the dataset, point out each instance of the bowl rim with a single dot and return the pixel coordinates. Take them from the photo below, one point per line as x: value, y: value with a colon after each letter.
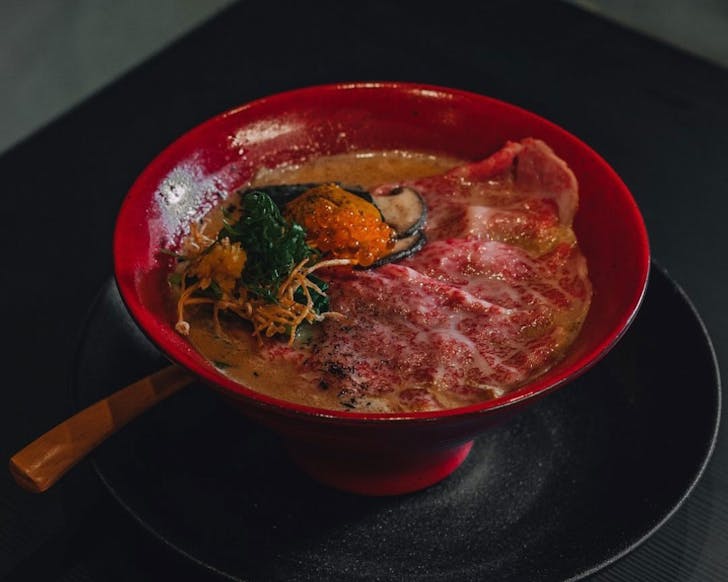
x: 539, y: 386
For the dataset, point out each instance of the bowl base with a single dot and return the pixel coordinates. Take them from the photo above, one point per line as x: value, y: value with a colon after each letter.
x: 378, y: 474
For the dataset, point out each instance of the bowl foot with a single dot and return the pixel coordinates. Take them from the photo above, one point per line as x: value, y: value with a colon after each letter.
x: 378, y: 474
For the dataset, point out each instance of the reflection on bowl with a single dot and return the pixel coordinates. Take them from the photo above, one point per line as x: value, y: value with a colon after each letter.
x: 372, y: 453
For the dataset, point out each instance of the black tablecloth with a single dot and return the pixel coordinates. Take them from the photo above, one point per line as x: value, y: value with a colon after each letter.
x: 658, y: 116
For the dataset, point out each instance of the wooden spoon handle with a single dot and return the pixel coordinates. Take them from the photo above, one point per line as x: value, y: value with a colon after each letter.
x: 41, y: 463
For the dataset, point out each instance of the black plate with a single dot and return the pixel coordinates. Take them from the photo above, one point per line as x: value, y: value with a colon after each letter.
x: 572, y: 484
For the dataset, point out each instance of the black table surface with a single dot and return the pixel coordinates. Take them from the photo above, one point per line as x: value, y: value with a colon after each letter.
x: 657, y: 115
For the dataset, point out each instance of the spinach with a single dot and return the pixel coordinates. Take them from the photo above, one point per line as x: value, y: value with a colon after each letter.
x: 273, y: 246
x: 320, y: 300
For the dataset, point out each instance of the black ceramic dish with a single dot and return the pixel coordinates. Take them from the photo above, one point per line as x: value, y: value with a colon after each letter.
x: 572, y: 484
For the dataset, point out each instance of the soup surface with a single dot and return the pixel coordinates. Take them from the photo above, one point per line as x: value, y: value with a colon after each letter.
x: 492, y: 300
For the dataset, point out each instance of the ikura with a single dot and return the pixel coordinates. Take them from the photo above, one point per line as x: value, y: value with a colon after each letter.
x: 342, y: 225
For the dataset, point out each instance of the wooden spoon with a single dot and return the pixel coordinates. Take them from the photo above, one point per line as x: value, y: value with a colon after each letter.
x: 41, y: 463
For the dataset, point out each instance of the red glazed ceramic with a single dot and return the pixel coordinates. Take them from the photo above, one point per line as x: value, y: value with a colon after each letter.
x: 374, y: 454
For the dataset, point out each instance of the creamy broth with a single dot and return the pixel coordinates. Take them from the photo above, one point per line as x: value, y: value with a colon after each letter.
x: 365, y: 169
x: 236, y: 353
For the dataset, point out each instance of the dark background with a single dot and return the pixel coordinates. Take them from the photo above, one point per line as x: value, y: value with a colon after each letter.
x: 655, y: 113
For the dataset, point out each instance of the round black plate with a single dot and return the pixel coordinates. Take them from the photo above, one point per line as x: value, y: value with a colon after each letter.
x: 570, y: 485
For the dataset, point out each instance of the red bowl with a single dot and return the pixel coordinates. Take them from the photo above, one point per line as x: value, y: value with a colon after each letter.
x: 380, y: 453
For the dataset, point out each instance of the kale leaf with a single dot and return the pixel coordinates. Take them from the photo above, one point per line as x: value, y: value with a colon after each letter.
x: 272, y: 244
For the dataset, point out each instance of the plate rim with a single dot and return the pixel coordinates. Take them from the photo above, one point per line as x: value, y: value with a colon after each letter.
x: 628, y: 549
x: 708, y: 455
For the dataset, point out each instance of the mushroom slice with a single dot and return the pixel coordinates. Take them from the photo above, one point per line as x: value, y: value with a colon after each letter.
x: 403, y: 209
x: 403, y: 248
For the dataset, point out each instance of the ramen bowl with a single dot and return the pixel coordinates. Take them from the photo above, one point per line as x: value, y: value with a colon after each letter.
x: 371, y: 453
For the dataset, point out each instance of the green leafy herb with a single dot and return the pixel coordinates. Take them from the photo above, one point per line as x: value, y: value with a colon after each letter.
x: 273, y: 245
x: 320, y: 302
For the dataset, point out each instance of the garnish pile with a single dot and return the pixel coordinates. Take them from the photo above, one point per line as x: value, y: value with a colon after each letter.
x: 260, y: 265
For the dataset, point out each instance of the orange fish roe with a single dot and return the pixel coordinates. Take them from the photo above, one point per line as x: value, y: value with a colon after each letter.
x: 341, y: 224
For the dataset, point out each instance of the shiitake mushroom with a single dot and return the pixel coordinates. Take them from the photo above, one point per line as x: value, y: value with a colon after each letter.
x: 403, y: 248
x: 403, y: 209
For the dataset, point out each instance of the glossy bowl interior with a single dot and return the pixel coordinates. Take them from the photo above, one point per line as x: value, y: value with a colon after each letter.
x: 398, y: 452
